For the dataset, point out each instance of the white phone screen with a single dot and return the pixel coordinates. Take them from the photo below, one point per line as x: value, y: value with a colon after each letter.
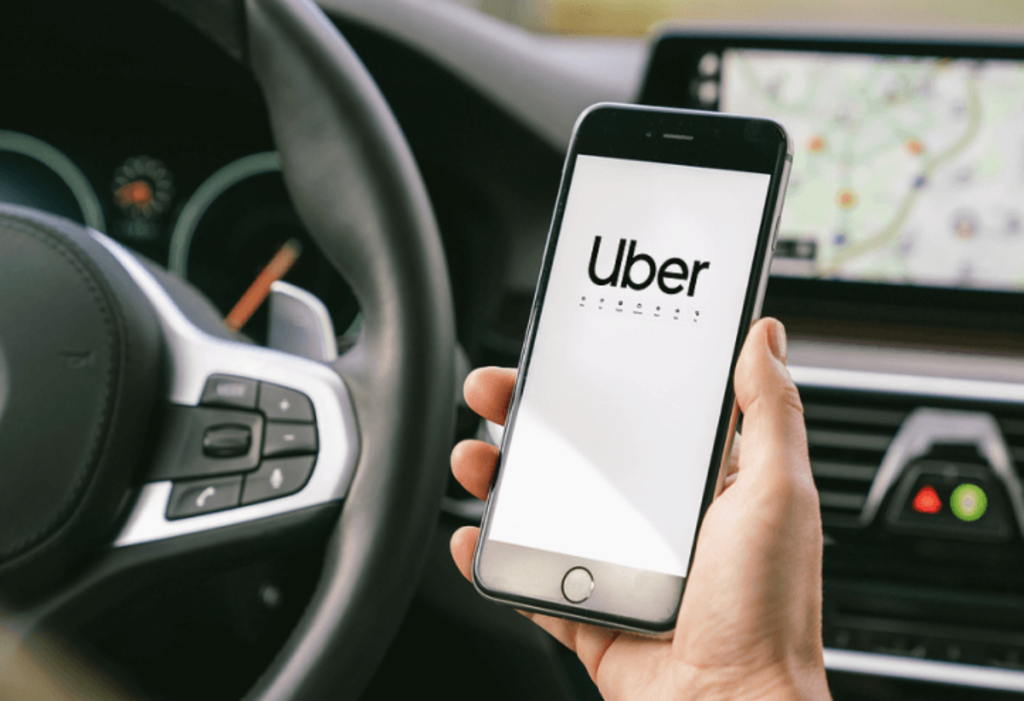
x: 616, y: 424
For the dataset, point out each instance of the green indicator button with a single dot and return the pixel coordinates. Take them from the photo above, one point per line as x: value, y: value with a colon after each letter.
x: 968, y: 502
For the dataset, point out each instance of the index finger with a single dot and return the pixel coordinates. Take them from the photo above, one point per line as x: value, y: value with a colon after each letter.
x: 488, y: 392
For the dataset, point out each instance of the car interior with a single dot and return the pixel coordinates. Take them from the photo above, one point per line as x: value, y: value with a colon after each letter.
x: 250, y: 250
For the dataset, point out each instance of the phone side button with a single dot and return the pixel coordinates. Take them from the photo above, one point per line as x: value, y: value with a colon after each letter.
x: 775, y: 229
x: 577, y: 585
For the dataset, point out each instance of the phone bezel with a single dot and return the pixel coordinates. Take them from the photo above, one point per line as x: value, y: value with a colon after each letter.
x: 636, y: 133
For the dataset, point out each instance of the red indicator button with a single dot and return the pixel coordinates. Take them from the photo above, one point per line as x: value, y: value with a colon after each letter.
x: 927, y: 501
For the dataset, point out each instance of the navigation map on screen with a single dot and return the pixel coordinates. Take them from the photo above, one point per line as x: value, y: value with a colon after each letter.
x: 906, y: 170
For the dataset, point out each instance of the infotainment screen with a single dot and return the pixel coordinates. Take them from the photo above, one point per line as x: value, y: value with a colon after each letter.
x: 907, y: 170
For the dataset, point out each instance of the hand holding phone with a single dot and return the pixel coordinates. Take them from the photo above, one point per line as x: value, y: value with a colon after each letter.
x: 656, y: 263
x: 750, y: 624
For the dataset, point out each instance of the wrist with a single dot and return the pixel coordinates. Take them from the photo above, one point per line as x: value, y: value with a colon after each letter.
x: 782, y: 681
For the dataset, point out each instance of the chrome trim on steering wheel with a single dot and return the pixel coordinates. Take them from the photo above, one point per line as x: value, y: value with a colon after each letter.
x: 192, y: 357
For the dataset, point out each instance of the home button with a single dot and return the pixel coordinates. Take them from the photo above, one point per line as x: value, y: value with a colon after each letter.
x: 577, y: 585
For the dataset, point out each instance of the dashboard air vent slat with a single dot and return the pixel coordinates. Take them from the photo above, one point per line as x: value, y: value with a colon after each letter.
x: 844, y: 501
x: 851, y: 440
x: 854, y: 415
x: 1013, y: 428
x: 843, y: 471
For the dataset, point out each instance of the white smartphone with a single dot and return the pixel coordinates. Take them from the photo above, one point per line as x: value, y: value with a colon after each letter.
x: 623, y: 410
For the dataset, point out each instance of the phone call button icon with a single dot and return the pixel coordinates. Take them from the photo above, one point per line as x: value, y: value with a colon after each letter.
x: 204, y: 496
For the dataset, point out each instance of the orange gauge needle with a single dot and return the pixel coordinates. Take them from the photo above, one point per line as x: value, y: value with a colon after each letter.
x: 276, y: 269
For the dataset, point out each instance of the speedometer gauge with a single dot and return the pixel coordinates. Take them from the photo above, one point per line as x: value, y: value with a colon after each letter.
x: 236, y: 230
x: 143, y: 189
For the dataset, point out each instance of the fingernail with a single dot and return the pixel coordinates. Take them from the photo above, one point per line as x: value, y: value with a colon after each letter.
x: 779, y: 345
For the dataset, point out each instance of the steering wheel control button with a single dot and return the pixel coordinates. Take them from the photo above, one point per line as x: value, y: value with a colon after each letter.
x: 225, y: 390
x: 277, y: 478
x: 282, y: 439
x: 229, y: 441
x: 577, y: 585
x: 203, y: 441
x: 282, y: 404
x: 204, y: 497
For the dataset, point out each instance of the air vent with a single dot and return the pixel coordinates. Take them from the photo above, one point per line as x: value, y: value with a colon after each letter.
x: 847, y: 437
x: 1012, y: 425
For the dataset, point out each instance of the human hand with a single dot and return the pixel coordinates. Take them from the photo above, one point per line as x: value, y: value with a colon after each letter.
x: 750, y: 622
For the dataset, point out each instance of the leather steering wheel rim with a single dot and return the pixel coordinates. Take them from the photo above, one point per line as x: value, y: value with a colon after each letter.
x: 355, y: 184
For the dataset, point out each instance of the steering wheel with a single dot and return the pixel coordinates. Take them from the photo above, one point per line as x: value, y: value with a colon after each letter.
x: 105, y: 409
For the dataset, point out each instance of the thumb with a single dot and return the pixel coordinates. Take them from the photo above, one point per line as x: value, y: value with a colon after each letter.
x: 774, y: 437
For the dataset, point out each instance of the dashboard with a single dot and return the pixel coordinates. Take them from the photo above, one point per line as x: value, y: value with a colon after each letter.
x: 902, y: 224
x: 899, y: 271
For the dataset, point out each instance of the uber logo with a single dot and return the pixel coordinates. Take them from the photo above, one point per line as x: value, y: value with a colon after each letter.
x: 640, y: 270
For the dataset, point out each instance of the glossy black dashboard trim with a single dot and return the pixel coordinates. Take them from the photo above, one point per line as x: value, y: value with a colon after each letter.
x: 673, y: 64
x: 662, y: 86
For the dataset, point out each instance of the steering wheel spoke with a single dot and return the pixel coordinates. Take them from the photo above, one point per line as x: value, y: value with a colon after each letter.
x: 288, y: 397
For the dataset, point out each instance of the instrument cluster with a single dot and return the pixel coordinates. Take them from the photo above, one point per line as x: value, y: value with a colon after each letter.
x: 230, y: 231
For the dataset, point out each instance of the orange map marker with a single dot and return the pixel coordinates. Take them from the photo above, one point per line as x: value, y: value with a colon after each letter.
x: 847, y: 198
x: 915, y: 147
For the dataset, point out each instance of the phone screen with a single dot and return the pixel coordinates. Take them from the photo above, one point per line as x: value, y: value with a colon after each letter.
x: 610, y: 447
